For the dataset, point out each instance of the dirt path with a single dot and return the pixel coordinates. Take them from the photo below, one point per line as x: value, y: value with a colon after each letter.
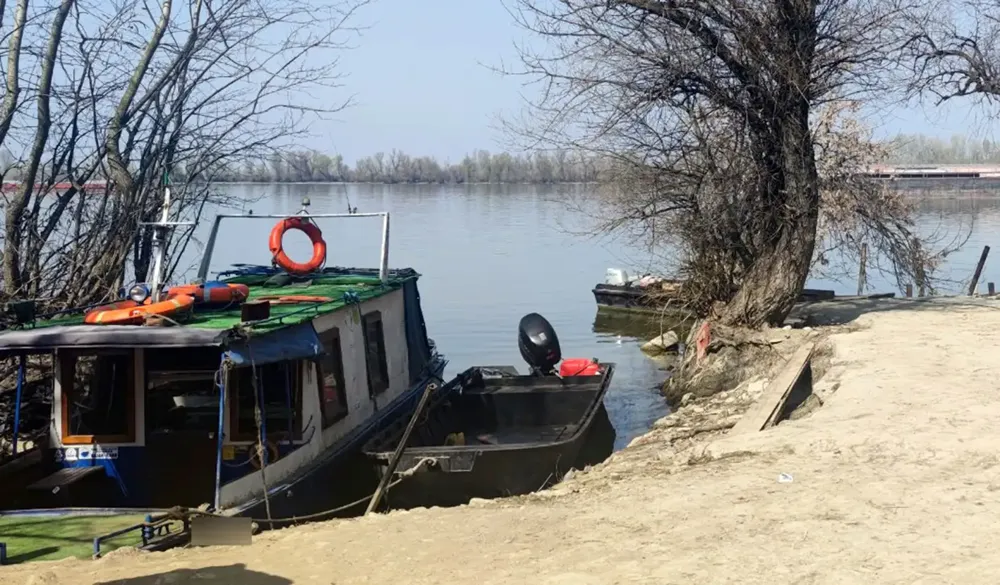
x: 895, y: 480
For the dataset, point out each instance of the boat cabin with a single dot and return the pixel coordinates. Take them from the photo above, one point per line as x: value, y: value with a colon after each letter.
x: 268, y: 390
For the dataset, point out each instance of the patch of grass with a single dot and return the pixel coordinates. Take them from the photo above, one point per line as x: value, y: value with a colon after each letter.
x: 50, y: 538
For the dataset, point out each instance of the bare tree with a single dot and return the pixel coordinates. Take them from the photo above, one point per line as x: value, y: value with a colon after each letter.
x: 955, y: 51
x: 138, y: 93
x: 708, y: 109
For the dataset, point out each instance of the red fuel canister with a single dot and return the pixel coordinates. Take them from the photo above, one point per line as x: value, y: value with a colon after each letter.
x: 579, y: 367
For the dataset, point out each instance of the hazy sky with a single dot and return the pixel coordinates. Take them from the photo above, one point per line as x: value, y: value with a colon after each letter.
x: 421, y: 83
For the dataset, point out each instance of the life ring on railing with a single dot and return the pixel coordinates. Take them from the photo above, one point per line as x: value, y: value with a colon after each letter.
x: 292, y: 299
x: 278, y: 253
x: 213, y: 293
x: 132, y: 313
x: 272, y: 453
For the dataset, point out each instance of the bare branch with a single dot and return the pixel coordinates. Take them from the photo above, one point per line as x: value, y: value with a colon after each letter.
x: 708, y: 111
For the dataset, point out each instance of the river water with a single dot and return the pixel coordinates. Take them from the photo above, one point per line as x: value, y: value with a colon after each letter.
x: 490, y: 254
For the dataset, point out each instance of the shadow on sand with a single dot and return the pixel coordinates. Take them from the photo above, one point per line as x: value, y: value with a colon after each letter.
x: 844, y: 312
x: 236, y: 574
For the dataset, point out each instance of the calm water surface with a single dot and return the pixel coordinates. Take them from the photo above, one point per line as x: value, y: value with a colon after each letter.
x: 491, y: 254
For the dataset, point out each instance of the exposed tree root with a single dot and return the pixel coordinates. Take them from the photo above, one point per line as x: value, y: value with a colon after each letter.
x: 701, y: 430
x: 731, y: 356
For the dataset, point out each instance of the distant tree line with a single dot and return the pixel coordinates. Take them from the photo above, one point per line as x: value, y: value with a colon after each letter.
x: 398, y: 167
x: 559, y: 166
x: 915, y: 149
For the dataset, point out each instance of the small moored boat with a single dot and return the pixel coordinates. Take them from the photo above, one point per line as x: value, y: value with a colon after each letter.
x: 492, y: 432
x: 654, y: 294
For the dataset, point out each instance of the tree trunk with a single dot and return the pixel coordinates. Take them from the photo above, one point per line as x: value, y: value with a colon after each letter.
x: 117, y: 165
x: 14, y: 280
x: 775, y: 280
x: 13, y: 67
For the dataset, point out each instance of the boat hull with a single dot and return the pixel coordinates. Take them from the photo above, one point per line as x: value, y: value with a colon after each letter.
x: 339, y: 477
x: 498, y: 474
x: 451, y: 476
x: 609, y: 296
x: 652, y: 299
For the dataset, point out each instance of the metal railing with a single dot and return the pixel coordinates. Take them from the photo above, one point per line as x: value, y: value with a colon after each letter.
x: 383, y: 267
x: 153, y: 530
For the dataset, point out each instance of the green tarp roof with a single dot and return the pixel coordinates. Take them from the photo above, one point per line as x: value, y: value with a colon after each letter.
x: 334, y: 287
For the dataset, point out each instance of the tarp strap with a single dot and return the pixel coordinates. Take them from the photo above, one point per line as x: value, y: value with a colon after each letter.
x: 221, y: 380
x: 17, y: 400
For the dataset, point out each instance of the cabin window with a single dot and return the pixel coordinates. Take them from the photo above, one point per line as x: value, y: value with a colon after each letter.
x: 332, y: 395
x: 97, y: 397
x: 280, y: 400
x: 181, y: 390
x: 378, y: 368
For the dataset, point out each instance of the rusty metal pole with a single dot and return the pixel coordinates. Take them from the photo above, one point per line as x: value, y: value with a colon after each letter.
x: 394, y: 461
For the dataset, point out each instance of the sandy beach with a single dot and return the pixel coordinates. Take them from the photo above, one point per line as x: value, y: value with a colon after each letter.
x: 895, y: 479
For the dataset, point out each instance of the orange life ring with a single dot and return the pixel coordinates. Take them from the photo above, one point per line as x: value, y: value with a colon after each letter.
x: 132, y: 313
x: 283, y: 261
x: 231, y: 293
x: 292, y: 299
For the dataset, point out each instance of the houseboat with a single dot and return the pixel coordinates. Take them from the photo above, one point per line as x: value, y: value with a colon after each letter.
x: 247, y: 393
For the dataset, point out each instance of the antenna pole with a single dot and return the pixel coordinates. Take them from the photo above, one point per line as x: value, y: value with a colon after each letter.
x: 160, y: 234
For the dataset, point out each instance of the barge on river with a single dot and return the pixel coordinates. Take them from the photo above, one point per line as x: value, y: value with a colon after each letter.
x: 250, y: 394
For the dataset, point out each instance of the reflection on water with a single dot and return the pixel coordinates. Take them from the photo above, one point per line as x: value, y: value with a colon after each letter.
x: 634, y: 411
x: 641, y: 326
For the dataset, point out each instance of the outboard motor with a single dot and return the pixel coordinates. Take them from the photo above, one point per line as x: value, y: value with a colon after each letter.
x: 539, y: 344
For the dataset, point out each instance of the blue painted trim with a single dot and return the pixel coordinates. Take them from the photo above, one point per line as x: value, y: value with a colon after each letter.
x: 17, y: 400
x: 221, y: 383
x: 359, y: 435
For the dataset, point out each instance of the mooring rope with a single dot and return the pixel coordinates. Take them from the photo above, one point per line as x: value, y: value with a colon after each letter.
x: 261, y: 431
x: 181, y: 513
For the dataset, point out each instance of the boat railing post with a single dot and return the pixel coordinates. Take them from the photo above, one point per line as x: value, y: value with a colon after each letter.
x: 19, y: 392
x: 206, y: 258
x: 147, y: 531
x: 383, y: 266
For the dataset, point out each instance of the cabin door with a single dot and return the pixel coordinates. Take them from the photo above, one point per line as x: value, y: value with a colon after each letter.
x: 182, y: 417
